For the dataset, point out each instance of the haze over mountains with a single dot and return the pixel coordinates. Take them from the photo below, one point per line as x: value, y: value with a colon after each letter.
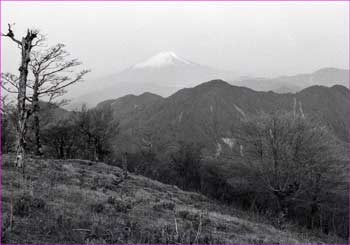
x: 165, y: 73
x: 291, y: 84
x: 162, y: 74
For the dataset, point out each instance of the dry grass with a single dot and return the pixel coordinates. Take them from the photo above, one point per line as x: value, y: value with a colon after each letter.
x: 77, y: 201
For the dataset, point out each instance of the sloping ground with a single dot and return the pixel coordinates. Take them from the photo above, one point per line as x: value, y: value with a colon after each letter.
x: 77, y: 201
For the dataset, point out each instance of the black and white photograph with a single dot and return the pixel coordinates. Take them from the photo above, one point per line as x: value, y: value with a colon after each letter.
x: 174, y: 122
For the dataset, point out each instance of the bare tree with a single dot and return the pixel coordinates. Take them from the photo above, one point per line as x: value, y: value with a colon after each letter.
x: 52, y: 74
x: 52, y: 71
x: 26, y: 44
x: 291, y: 157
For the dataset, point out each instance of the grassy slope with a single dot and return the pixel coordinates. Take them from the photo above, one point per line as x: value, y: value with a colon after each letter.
x: 76, y: 201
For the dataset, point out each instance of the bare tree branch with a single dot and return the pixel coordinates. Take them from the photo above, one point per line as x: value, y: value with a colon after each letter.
x: 59, y: 86
x: 11, y: 35
x: 52, y: 75
x: 39, y: 41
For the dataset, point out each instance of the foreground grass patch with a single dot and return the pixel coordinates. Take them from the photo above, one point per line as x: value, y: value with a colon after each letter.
x: 78, y: 201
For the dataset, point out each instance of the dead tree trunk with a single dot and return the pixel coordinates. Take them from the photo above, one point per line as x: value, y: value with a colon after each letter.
x: 23, y: 113
x: 26, y: 45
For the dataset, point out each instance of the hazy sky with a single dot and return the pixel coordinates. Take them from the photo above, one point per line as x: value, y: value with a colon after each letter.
x: 255, y: 38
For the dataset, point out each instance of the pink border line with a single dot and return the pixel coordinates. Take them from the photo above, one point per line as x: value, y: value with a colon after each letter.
x: 0, y: 133
x: 174, y: 0
x: 348, y: 131
x: 348, y: 116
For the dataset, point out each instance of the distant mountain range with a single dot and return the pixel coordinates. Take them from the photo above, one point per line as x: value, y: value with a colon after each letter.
x: 165, y: 73
x: 207, y: 113
x: 291, y: 84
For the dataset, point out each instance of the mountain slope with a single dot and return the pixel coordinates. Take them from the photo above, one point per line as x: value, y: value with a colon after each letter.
x: 76, y: 201
x: 207, y: 113
x: 128, y: 107
x: 328, y: 106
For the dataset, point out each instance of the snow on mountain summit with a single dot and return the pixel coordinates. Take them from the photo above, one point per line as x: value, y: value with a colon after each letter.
x: 162, y: 59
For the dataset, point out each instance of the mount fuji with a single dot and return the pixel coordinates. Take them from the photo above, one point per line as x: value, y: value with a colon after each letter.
x: 163, y: 59
x: 162, y: 74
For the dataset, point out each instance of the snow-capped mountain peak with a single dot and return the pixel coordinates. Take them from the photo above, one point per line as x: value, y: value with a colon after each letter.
x: 161, y: 60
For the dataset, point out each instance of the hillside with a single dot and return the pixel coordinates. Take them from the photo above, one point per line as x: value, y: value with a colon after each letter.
x: 76, y: 201
x: 209, y: 112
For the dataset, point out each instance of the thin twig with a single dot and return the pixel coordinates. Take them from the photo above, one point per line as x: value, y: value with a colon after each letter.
x: 87, y: 230
x: 199, y: 228
x: 176, y: 230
